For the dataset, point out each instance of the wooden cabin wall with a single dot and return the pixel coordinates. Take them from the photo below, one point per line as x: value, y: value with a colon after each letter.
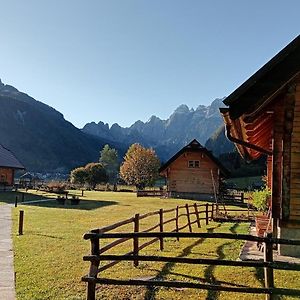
x: 294, y: 211
x: 269, y: 172
x: 277, y: 158
x: 7, y: 176
x: 181, y: 178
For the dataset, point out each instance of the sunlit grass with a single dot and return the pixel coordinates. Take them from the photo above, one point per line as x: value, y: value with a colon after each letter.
x: 48, y: 257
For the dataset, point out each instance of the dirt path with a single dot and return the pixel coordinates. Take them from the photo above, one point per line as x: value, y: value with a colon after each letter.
x: 7, y: 277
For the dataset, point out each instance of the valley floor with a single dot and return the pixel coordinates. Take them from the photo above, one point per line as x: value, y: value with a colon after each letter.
x: 48, y: 257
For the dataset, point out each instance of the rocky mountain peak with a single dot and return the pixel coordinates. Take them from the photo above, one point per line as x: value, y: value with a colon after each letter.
x: 183, y: 108
x: 154, y: 119
x: 167, y: 136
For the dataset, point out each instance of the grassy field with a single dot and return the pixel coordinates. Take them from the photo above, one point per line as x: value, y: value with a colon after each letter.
x: 48, y: 257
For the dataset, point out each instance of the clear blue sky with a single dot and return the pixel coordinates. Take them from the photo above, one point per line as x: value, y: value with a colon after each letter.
x: 119, y: 61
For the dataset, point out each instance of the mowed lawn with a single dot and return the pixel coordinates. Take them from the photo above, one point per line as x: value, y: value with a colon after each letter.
x: 48, y: 257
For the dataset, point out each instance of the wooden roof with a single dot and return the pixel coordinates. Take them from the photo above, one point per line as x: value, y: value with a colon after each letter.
x: 8, y: 159
x: 195, y: 146
x: 249, y: 116
x: 266, y: 82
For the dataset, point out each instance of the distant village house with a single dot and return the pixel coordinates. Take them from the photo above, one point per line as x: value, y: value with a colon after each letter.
x: 193, y: 173
x: 8, y: 164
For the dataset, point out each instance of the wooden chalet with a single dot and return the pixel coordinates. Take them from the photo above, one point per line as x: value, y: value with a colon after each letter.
x: 8, y: 164
x: 263, y: 118
x: 193, y: 173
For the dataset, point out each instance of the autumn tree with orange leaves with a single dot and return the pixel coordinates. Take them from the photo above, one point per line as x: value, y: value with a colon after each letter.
x: 140, y: 166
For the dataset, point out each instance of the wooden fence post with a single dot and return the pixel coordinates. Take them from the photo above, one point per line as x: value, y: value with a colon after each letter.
x: 242, y: 197
x: 177, y: 220
x: 21, y: 222
x: 206, y: 213
x: 161, y: 228
x: 136, y: 239
x: 16, y: 201
x: 197, y: 215
x: 188, y: 217
x: 95, y: 250
x: 268, y: 271
x: 81, y: 193
x: 212, y: 211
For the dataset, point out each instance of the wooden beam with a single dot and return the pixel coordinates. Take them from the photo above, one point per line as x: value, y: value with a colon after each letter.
x: 277, y: 159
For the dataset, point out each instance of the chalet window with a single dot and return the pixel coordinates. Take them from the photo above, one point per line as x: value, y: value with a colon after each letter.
x: 194, y: 164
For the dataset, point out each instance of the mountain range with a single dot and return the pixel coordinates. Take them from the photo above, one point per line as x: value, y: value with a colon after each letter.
x: 45, y: 142
x: 40, y: 136
x: 165, y: 136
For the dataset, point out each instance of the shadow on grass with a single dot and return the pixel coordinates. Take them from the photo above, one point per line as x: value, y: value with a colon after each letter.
x: 86, y: 204
x: 203, y: 279
x: 209, y: 271
x: 10, y: 197
x: 48, y: 236
x: 259, y: 274
x: 49, y: 201
x: 166, y: 270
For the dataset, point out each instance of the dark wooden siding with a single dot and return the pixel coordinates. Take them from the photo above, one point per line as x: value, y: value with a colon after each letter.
x: 295, y: 161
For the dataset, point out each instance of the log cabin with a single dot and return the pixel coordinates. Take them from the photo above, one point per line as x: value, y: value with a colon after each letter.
x: 193, y: 173
x: 8, y: 164
x: 263, y: 118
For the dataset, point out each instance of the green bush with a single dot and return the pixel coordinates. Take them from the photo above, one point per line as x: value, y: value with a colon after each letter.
x: 260, y: 199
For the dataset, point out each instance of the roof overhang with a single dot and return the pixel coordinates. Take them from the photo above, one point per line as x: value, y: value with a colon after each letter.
x: 250, y: 113
x: 266, y: 83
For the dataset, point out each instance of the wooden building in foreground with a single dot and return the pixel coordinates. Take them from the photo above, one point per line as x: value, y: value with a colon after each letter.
x: 263, y: 118
x: 193, y: 172
x: 8, y: 164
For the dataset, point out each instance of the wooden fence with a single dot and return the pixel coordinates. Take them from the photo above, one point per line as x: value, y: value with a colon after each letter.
x: 228, y: 197
x: 199, y: 213
x: 235, y: 197
x: 152, y: 193
x: 183, y: 211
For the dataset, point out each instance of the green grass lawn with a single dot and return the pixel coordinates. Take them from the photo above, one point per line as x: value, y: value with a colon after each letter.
x: 48, y: 257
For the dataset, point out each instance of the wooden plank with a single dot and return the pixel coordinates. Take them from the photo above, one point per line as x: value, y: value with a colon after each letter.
x: 295, y: 174
x: 295, y: 205
x: 268, y: 272
x: 116, y: 225
x: 161, y: 228
x: 184, y: 284
x: 197, y: 215
x: 177, y: 221
x: 188, y: 217
x: 295, y: 213
x: 136, y: 239
x: 294, y: 200
x: 153, y: 213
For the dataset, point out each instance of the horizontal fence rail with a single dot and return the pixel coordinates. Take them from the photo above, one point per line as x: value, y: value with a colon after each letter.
x: 181, y: 284
x: 228, y: 236
x: 191, y: 214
